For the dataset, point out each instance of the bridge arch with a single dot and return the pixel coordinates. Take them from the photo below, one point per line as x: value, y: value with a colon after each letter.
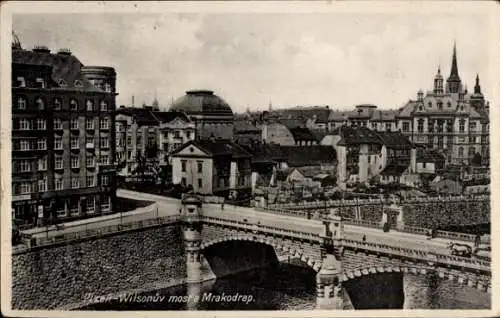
x: 312, y: 262
x: 464, y: 280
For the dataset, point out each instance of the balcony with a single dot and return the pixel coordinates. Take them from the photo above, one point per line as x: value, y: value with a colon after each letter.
x: 89, y: 145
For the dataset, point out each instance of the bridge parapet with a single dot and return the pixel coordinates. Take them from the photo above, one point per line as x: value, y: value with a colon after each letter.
x: 421, y: 255
x: 378, y: 201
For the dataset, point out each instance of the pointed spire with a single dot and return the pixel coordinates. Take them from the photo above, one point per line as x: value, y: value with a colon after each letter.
x: 477, y: 87
x: 454, y: 66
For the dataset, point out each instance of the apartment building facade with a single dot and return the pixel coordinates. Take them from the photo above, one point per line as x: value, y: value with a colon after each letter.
x: 63, y: 137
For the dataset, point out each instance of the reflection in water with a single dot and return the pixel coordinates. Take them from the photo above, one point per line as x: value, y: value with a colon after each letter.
x: 289, y: 287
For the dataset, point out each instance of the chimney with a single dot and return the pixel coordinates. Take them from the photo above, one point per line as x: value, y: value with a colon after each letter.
x: 133, y: 101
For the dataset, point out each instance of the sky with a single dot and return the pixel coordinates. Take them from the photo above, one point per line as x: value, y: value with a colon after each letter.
x: 288, y: 59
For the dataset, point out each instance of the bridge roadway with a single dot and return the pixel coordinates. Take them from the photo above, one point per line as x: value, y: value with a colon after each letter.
x: 169, y: 206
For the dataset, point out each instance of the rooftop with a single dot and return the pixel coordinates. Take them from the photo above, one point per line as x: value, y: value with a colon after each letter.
x: 201, y: 102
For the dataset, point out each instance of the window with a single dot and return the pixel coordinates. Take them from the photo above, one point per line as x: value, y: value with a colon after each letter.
x: 472, y: 126
x: 388, y: 126
x: 60, y: 210
x: 200, y: 183
x: 429, y: 104
x: 24, y: 165
x: 62, y: 83
x: 104, y: 123
x: 58, y: 124
x: 58, y: 162
x: 58, y: 145
x: 448, y: 104
x: 90, y: 160
x: 75, y: 182
x: 420, y: 125
x: 200, y: 166
x: 42, y: 185
x: 42, y: 144
x: 183, y: 165
x: 440, y: 105
x: 73, y: 104
x: 56, y: 104
x: 423, y: 165
x: 177, y: 134
x: 74, y: 123
x: 40, y: 104
x: 21, y: 103
x: 129, y: 140
x: 406, y: 126
x: 21, y: 82
x: 105, y: 203
x: 25, y: 188
x: 104, y: 106
x: 42, y: 164
x: 41, y: 124
x: 104, y: 180
x: 78, y: 83
x: 89, y: 123
x: 183, y: 181
x: 478, y: 140
x: 460, y: 151
x: 107, y: 87
x: 90, y: 205
x: 90, y: 105
x: 461, y: 125
x: 104, y: 160
x: 104, y: 142
x: 40, y: 83
x: 75, y: 162
x: 90, y: 181
x: 58, y: 183
x: 74, y: 143
x: 90, y: 141
x: 24, y: 124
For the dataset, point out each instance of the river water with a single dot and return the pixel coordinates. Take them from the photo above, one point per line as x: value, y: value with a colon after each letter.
x: 289, y: 287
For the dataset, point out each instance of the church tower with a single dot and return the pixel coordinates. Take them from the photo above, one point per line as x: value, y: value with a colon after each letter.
x: 438, y: 83
x: 453, y: 83
x: 477, y: 99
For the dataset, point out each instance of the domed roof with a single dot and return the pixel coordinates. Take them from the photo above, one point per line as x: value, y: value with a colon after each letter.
x: 201, y: 101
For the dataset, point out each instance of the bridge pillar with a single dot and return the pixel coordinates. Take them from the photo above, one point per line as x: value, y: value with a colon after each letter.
x: 329, y: 288
x: 191, y: 227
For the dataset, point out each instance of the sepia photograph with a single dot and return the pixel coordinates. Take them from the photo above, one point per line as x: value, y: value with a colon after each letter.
x: 248, y: 157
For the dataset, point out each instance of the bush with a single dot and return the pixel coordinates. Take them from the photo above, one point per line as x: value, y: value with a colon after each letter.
x: 386, y: 227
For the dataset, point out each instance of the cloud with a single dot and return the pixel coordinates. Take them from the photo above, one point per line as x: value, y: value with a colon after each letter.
x: 290, y: 59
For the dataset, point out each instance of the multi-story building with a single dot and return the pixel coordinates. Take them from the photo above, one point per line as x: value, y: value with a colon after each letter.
x: 448, y: 119
x: 63, y: 137
x: 150, y: 134
x: 218, y: 167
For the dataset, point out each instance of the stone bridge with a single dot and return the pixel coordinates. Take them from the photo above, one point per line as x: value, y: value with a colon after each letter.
x: 322, y: 245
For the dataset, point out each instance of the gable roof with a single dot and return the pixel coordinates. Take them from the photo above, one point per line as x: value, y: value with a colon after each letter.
x: 395, y: 140
x: 302, y: 134
x: 217, y: 148
x: 166, y: 117
x: 356, y: 135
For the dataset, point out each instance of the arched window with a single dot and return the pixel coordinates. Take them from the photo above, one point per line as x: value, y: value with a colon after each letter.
x: 420, y: 125
x: 440, y: 105
x: 90, y: 105
x: 40, y: 104
x: 104, y: 106
x: 461, y: 125
x: 21, y: 103
x: 56, y: 102
x: 107, y: 87
x: 460, y: 151
x: 429, y: 104
x: 448, y: 104
x: 73, y: 104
